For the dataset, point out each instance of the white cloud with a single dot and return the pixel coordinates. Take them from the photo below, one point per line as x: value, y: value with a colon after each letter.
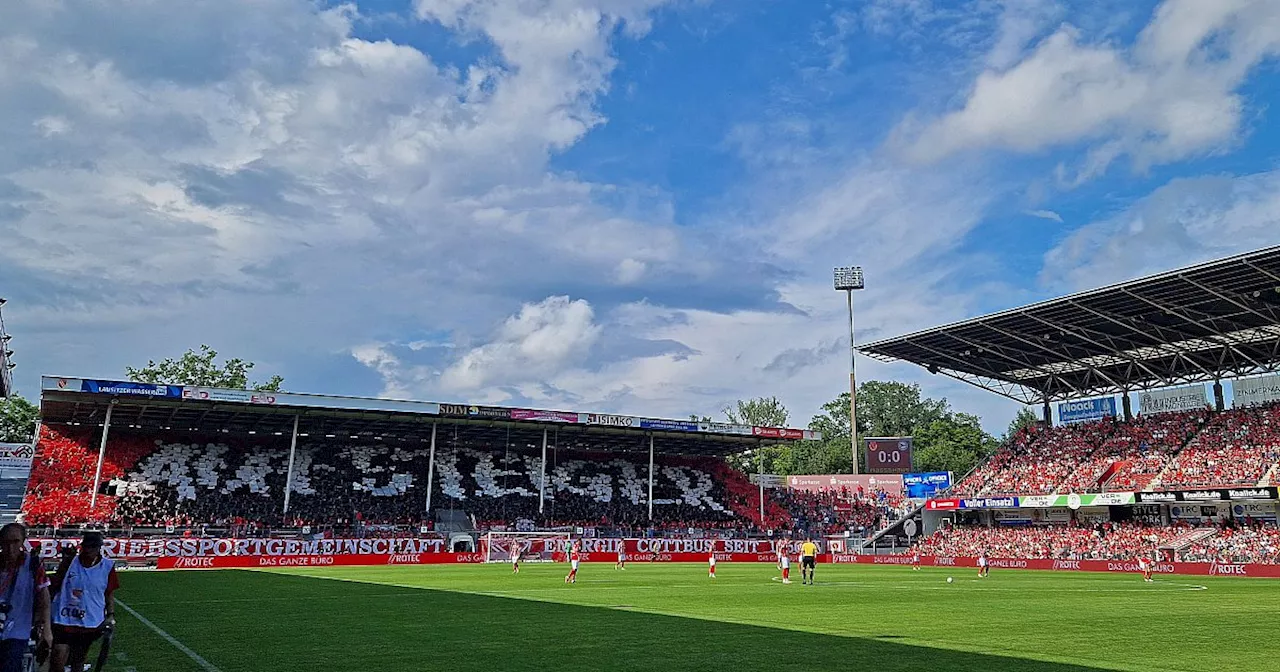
x: 1184, y: 222
x: 1046, y: 214
x: 1173, y: 94
x: 542, y: 339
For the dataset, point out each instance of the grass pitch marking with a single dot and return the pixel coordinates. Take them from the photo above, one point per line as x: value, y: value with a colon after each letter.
x: 204, y: 664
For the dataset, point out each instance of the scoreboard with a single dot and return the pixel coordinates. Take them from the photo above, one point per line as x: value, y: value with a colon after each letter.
x: 889, y: 455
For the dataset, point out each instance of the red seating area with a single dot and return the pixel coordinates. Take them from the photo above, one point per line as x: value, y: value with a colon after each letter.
x: 1115, y: 541
x: 1236, y: 447
x: 60, y: 488
x: 1038, y: 461
x: 1138, y: 450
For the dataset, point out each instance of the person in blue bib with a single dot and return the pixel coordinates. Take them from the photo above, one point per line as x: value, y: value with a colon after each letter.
x: 24, y: 598
x: 83, y: 603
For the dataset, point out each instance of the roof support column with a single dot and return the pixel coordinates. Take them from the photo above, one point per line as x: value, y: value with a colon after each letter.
x: 288, y: 476
x: 1219, y: 400
x: 760, y: 460
x: 431, y: 468
x: 650, y: 478
x: 102, y: 453
x: 1127, y: 403
x: 542, y: 478
x: 1048, y: 414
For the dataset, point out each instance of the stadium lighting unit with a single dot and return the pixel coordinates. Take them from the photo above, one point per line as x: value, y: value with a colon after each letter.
x: 847, y: 280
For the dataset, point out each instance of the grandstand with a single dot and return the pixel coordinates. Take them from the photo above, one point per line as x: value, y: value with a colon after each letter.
x: 1185, y: 473
x: 169, y: 458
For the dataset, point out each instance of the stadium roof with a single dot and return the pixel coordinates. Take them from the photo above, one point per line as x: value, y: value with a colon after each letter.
x: 1197, y: 324
x: 175, y: 408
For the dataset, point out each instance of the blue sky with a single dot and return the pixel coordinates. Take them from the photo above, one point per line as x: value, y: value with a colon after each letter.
x: 622, y: 205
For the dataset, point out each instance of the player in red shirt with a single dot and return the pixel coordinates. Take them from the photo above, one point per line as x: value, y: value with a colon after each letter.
x: 1144, y: 564
x: 711, y: 565
x: 515, y: 557
x: 915, y: 560
x: 575, y: 555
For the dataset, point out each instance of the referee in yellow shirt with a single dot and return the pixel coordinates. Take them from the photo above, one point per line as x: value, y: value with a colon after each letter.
x: 808, y: 560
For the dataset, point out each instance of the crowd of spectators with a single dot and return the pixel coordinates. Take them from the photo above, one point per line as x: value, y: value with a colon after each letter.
x: 1236, y: 447
x: 1258, y: 543
x: 1136, y: 452
x: 238, y: 484
x: 1169, y: 451
x: 1037, y: 460
x: 1106, y: 541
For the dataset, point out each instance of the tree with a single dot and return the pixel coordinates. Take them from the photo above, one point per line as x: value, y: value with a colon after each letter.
x: 760, y: 412
x: 1025, y: 418
x: 894, y: 409
x: 956, y: 443
x: 17, y: 420
x: 833, y: 454
x: 201, y: 368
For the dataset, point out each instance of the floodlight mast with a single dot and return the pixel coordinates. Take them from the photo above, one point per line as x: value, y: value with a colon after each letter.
x: 848, y: 279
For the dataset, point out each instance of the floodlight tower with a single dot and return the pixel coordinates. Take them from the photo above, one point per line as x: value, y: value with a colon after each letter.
x: 6, y: 360
x: 848, y: 279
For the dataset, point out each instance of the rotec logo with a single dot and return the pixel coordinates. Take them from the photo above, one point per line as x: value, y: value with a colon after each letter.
x: 1066, y: 564
x: 193, y: 563
x: 1228, y: 570
x: 944, y: 562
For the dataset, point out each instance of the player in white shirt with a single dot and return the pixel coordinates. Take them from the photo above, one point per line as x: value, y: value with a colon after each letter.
x: 622, y: 559
x: 515, y: 557
x: 784, y: 563
x: 711, y: 565
x: 984, y: 566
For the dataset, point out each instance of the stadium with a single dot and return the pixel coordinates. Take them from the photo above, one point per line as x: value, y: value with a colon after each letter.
x: 371, y: 522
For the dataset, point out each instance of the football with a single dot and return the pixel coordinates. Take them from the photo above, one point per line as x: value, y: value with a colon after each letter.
x: 950, y: 580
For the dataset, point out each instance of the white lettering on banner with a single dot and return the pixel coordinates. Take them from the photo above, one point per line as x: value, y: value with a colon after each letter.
x: 1228, y: 570
x: 1254, y: 391
x: 1173, y: 399
x: 1066, y: 564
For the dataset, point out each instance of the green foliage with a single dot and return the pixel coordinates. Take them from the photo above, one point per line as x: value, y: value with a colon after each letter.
x: 762, y: 412
x: 894, y: 409
x: 1025, y: 418
x: 17, y: 420
x: 201, y: 368
x: 955, y: 443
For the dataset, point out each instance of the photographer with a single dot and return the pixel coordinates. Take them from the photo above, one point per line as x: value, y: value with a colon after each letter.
x: 24, y: 598
x: 83, y: 603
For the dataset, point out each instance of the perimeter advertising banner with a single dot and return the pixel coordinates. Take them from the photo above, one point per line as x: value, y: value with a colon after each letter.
x: 1254, y: 391
x: 921, y: 486
x: 1173, y: 399
x: 1207, y: 495
x: 889, y: 455
x: 16, y: 455
x: 1084, y: 410
x: 243, y: 553
x: 129, y: 389
x: 868, y: 482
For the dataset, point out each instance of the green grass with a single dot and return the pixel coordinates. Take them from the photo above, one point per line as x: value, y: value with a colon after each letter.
x: 671, y: 617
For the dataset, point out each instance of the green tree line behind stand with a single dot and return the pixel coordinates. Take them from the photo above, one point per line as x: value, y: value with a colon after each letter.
x: 944, y: 440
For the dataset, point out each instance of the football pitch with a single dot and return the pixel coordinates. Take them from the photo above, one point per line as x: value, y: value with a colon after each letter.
x: 672, y: 617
